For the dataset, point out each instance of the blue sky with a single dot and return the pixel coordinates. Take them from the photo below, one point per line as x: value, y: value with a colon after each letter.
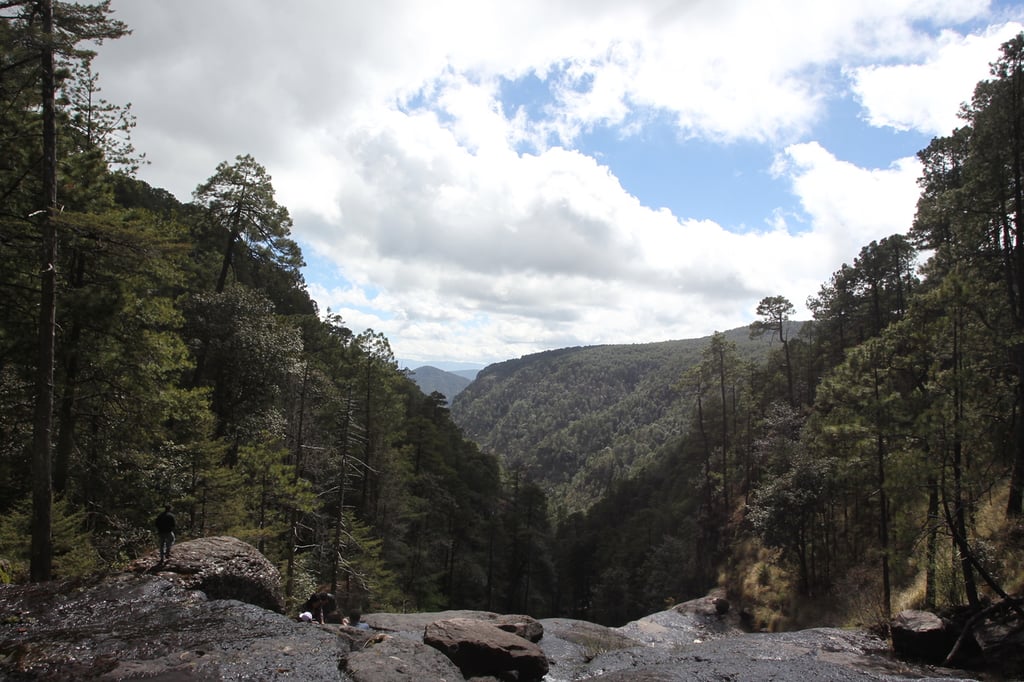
x: 482, y: 180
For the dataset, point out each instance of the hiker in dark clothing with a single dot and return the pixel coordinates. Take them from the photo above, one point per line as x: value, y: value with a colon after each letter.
x: 320, y: 604
x: 165, y: 524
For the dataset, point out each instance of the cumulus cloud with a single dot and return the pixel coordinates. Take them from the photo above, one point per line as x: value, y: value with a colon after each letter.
x: 466, y: 225
x: 927, y: 95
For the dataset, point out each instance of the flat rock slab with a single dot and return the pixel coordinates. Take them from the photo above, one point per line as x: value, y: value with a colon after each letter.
x: 817, y: 654
x: 397, y: 659
x: 687, y: 623
x: 413, y: 624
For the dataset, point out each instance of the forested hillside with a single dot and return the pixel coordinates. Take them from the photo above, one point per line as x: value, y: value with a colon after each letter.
x: 578, y: 420
x: 158, y: 352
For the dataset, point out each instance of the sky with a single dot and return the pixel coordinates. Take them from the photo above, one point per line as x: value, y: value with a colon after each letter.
x: 483, y: 180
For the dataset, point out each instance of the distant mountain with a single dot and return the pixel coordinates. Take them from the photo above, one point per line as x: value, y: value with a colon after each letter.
x: 450, y: 384
x: 576, y: 419
x: 461, y: 368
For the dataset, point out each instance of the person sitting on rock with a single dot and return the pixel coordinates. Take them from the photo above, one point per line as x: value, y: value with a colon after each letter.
x: 320, y: 604
x: 353, y: 621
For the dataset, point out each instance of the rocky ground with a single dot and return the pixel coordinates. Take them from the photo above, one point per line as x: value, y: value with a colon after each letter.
x: 693, y: 641
x: 187, y: 621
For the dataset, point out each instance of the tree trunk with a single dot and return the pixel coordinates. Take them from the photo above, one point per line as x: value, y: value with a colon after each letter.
x: 296, y: 518
x: 41, y: 553
x: 789, y: 374
x: 339, y: 525
x: 707, y: 453
x: 883, y: 528
x: 1015, y: 501
x: 933, y: 543
x: 883, y: 502
x: 960, y: 511
x: 725, y: 431
x: 68, y: 408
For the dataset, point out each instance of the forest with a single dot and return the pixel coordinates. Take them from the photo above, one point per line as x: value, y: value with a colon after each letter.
x: 154, y: 351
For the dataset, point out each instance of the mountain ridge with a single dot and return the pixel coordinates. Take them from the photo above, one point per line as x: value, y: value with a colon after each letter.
x: 431, y: 379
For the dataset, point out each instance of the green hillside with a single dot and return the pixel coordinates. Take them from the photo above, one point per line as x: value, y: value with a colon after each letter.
x: 578, y: 419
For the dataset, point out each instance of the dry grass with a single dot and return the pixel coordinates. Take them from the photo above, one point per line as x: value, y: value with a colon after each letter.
x: 998, y: 543
x: 765, y: 587
x: 1001, y: 543
x: 758, y: 579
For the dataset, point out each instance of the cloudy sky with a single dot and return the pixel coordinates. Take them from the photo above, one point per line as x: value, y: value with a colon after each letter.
x: 482, y: 180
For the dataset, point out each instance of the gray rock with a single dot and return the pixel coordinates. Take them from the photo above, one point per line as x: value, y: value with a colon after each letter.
x: 925, y: 636
x: 223, y: 567
x: 570, y: 645
x: 134, y: 626
x: 396, y: 659
x: 694, y: 621
x: 481, y: 648
x: 817, y: 654
x: 411, y: 625
x: 151, y: 626
x: 1002, y: 646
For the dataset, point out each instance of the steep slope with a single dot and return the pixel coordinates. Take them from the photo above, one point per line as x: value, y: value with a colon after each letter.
x: 576, y: 419
x: 431, y: 379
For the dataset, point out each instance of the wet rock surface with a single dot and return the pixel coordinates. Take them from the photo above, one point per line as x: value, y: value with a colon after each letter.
x: 686, y: 644
x: 697, y: 640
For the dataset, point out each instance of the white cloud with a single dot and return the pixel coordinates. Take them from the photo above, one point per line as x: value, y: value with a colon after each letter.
x: 848, y: 206
x: 466, y: 229
x: 926, y: 96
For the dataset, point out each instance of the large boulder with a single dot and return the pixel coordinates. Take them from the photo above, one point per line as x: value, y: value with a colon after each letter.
x: 926, y: 636
x: 222, y: 567
x: 139, y: 626
x: 1002, y: 646
x: 483, y: 648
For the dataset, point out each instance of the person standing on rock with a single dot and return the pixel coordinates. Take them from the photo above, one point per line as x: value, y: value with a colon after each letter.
x: 165, y: 523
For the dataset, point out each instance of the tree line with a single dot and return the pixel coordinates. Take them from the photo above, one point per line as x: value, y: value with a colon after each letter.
x: 155, y: 351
